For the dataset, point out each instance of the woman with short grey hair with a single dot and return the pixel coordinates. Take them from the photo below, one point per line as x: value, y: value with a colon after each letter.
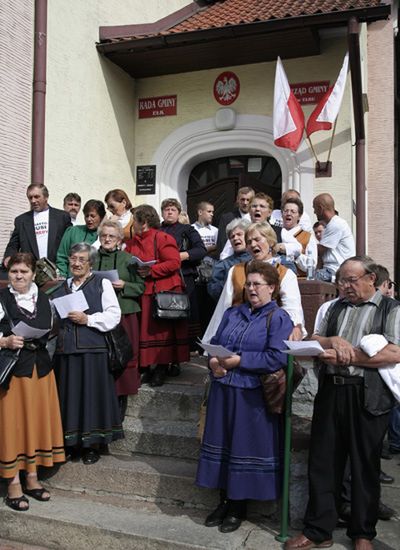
x: 88, y: 401
x: 235, y: 231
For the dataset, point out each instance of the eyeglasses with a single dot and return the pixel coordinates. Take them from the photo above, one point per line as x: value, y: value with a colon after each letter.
x: 75, y: 260
x: 350, y: 280
x: 255, y: 285
x: 391, y: 285
x: 111, y: 237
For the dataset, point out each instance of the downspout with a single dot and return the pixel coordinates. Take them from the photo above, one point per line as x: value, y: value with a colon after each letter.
x: 39, y: 92
x: 358, y: 109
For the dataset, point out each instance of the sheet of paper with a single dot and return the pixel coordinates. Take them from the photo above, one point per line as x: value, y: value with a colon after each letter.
x: 308, y: 348
x: 137, y: 261
x: 22, y: 329
x: 71, y: 302
x: 111, y: 275
x: 215, y: 350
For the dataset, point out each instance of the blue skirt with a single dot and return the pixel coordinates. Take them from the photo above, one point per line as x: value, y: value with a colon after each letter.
x: 242, y: 448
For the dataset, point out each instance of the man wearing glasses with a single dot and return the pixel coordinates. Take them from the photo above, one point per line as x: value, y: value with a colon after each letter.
x: 351, y: 408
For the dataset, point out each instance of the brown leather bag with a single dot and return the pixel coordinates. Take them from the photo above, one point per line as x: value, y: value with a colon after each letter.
x: 274, y: 384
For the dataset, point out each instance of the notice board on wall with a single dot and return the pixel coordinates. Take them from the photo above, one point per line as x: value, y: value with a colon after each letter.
x: 146, y: 179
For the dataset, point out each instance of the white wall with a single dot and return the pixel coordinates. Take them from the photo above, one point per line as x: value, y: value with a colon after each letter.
x: 90, y: 101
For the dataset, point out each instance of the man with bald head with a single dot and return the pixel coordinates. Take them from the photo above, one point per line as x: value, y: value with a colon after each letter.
x: 337, y: 242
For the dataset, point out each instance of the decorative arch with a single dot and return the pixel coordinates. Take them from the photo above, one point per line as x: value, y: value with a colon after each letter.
x: 199, y: 141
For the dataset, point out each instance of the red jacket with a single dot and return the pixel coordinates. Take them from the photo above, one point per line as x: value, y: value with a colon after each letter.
x: 165, y: 273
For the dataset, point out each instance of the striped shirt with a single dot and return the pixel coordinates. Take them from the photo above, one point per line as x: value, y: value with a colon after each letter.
x: 354, y: 322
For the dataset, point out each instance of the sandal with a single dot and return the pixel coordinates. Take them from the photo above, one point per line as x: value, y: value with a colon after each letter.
x: 91, y: 456
x: 15, y: 503
x: 37, y: 494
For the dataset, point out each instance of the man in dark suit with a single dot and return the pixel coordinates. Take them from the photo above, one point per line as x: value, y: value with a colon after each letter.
x: 40, y: 230
x: 243, y: 200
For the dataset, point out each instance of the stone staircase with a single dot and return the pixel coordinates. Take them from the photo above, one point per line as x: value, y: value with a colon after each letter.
x: 142, y: 495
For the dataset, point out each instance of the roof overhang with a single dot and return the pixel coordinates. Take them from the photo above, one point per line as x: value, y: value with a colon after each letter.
x: 160, y: 54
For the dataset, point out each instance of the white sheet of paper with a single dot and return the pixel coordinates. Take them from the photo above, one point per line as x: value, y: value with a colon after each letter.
x: 309, y: 348
x: 215, y: 350
x: 111, y: 275
x: 22, y: 329
x: 71, y: 302
x: 140, y: 263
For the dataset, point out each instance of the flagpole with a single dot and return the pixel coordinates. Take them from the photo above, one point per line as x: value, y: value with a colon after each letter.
x: 283, y: 535
x: 312, y: 148
x: 333, y: 135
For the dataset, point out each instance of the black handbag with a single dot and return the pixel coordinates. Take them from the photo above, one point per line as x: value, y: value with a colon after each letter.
x: 171, y: 305
x: 120, y: 350
x: 8, y: 358
x: 168, y: 304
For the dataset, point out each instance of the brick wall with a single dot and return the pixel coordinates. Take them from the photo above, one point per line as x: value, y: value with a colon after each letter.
x: 16, y: 54
x: 380, y: 167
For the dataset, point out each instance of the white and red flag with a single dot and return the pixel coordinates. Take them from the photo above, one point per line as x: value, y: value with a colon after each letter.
x: 288, y: 114
x: 325, y: 113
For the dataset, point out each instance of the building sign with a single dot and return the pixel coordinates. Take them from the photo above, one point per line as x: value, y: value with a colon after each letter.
x: 309, y: 93
x: 226, y: 88
x: 150, y: 107
x: 146, y: 180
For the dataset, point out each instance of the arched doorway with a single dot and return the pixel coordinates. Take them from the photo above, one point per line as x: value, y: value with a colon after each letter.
x: 199, y: 141
x: 218, y: 181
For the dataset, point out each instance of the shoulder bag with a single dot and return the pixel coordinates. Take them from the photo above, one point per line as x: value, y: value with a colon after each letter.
x: 120, y: 350
x: 8, y: 358
x: 170, y: 305
x: 274, y: 384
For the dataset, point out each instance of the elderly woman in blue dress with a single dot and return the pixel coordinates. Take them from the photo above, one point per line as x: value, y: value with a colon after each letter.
x: 241, y: 452
x: 88, y: 400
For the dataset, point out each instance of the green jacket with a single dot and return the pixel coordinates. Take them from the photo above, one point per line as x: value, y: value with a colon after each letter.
x: 73, y: 235
x: 134, y: 284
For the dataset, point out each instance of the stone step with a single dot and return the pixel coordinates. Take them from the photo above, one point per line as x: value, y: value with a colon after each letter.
x: 80, y: 523
x: 159, y: 437
x: 151, y: 478
x: 173, y: 400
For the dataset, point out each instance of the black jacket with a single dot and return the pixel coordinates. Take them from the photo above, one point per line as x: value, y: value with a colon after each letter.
x: 23, y: 237
x: 188, y: 240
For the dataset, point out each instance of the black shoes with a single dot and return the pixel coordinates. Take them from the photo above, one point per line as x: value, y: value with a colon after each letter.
x: 146, y: 376
x: 385, y: 478
x: 228, y: 515
x: 217, y: 516
x: 384, y: 512
x: 90, y: 456
x: 174, y: 370
x: 159, y: 375
x: 230, y: 524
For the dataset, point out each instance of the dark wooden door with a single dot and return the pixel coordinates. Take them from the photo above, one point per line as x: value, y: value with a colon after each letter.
x: 222, y: 192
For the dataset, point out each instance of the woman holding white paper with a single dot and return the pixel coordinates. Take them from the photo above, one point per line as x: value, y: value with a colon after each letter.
x: 128, y: 288
x: 89, y: 405
x: 241, y: 451
x: 161, y: 341
x: 30, y: 423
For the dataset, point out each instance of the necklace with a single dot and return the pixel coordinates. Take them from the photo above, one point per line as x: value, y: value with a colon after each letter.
x: 25, y: 312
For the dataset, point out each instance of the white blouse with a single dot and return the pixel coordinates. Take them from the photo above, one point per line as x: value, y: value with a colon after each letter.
x: 290, y: 297
x: 111, y: 315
